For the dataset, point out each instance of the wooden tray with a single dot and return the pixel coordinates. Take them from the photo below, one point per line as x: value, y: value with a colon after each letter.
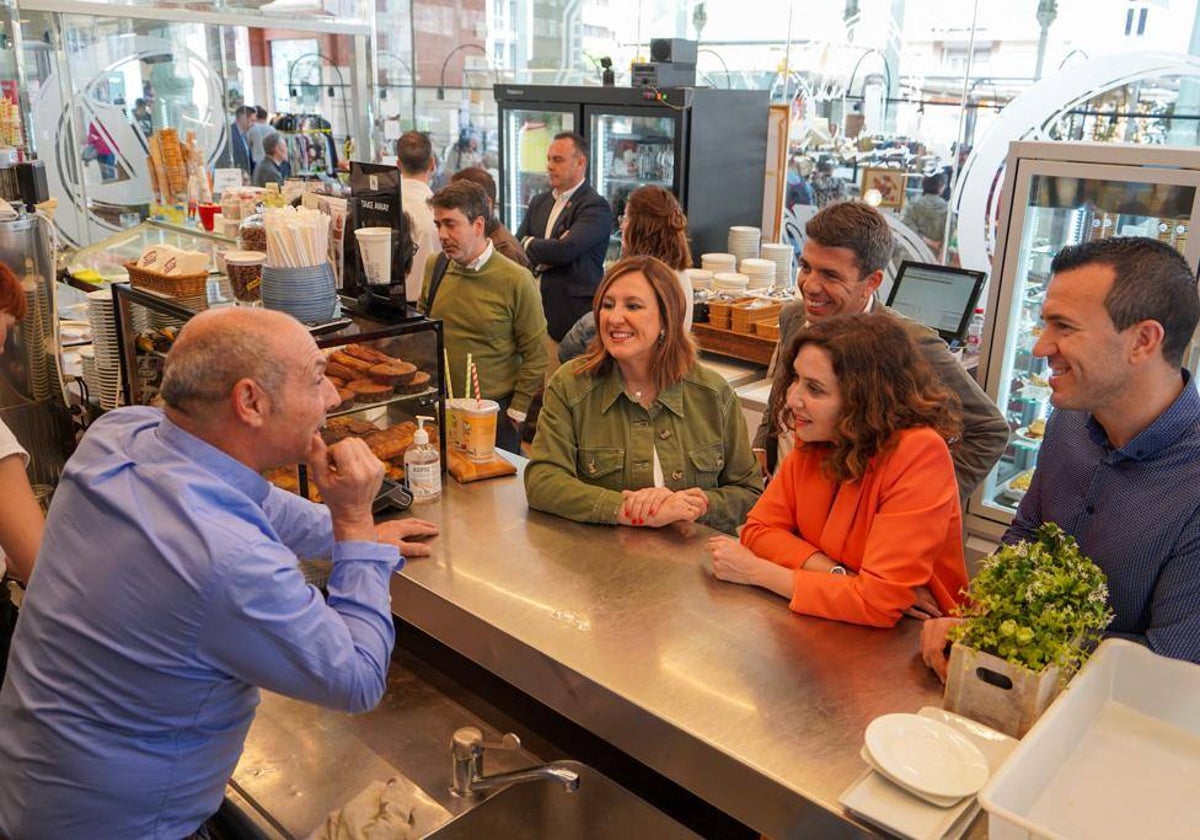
x: 750, y: 348
x: 466, y: 471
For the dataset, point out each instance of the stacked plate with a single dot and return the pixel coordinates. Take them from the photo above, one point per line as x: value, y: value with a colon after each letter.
x: 701, y: 278
x: 730, y: 281
x: 781, y: 255
x: 928, y: 758
x: 87, y: 358
x: 760, y: 272
x: 897, y: 806
x: 717, y: 263
x: 107, y: 388
x: 307, y: 294
x: 743, y: 241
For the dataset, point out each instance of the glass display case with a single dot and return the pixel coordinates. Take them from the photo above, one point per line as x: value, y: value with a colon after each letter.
x: 1064, y: 194
x: 105, y: 261
x: 386, y: 375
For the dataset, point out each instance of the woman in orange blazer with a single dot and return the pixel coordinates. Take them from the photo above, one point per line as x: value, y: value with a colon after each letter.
x: 862, y: 521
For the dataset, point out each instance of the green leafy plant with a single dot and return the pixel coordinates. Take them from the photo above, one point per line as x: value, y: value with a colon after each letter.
x: 1037, y: 604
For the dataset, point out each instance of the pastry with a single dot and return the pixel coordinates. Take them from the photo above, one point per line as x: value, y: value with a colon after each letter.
x: 367, y: 354
x: 418, y: 383
x: 1036, y: 429
x: 338, y: 381
x: 391, y: 442
x: 346, y: 398
x: 340, y: 428
x: 369, y: 391
x: 393, y: 373
x: 335, y: 370
x: 344, y: 359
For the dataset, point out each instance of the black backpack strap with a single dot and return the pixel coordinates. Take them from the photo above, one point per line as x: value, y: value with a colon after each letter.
x: 439, y: 271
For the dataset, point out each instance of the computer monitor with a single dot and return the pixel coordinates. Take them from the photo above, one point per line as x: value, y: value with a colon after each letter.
x: 939, y: 296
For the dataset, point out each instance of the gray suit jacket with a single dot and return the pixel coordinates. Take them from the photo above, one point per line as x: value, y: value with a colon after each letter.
x: 985, y: 431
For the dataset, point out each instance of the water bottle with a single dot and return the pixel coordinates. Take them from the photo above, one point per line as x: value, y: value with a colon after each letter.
x: 975, y: 332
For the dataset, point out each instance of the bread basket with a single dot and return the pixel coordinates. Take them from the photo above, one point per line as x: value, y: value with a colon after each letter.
x: 174, y: 285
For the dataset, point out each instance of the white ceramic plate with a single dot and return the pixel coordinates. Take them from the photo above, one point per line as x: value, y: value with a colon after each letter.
x: 926, y: 755
x: 940, y: 801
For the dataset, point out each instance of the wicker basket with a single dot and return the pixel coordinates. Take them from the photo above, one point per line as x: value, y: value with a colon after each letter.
x: 767, y: 329
x: 744, y: 315
x: 175, y: 285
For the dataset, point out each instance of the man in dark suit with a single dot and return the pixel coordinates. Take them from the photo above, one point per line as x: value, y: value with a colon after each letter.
x: 565, y: 234
x: 239, y: 142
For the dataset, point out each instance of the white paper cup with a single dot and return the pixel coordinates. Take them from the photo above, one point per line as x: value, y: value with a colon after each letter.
x: 375, y: 248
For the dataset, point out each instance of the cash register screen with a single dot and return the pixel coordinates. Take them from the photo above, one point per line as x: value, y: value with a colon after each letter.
x: 938, y: 296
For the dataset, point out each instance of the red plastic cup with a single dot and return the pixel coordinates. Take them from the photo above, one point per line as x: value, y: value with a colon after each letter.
x: 207, y: 211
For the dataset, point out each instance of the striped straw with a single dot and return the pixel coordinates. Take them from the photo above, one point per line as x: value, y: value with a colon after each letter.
x: 467, y: 378
x: 475, y: 380
x: 449, y: 378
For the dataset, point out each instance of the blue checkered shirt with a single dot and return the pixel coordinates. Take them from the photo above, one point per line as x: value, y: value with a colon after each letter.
x: 1135, y: 511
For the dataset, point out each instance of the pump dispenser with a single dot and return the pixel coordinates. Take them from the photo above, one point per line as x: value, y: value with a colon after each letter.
x: 423, y: 465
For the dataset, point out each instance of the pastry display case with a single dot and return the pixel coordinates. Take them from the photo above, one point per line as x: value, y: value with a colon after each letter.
x: 386, y: 375
x: 1055, y: 195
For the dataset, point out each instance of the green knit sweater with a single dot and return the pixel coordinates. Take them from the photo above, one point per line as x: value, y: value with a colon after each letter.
x: 495, y: 314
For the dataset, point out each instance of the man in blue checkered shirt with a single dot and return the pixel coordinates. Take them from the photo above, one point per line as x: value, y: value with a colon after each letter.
x: 1119, y: 468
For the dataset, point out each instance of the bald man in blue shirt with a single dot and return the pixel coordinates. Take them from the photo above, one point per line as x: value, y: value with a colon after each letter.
x: 167, y: 590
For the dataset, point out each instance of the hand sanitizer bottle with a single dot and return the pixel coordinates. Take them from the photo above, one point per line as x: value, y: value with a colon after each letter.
x: 423, y: 465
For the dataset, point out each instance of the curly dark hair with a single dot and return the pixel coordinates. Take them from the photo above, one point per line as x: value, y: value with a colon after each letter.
x: 655, y: 226
x: 885, y: 384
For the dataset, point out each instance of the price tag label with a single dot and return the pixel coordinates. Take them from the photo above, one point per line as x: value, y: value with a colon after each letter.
x: 224, y: 179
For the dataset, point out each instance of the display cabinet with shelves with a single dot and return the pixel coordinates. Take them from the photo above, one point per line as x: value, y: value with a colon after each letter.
x: 386, y: 375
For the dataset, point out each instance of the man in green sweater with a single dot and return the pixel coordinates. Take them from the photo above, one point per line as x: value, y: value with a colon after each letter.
x: 490, y: 307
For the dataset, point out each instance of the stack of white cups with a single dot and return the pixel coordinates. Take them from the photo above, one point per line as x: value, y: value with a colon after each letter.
x: 780, y: 254
x: 761, y: 272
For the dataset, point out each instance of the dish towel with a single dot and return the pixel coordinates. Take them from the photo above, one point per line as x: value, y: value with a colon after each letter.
x: 392, y: 810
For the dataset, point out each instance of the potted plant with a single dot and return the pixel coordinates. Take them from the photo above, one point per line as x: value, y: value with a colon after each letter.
x: 1035, y: 612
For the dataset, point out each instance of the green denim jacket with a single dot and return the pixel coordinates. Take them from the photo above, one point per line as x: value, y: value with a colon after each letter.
x: 593, y: 441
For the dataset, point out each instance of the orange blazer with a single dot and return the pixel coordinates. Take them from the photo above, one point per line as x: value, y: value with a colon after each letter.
x: 900, y: 527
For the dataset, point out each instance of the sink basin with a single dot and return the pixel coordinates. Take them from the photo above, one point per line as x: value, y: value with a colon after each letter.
x: 599, y: 810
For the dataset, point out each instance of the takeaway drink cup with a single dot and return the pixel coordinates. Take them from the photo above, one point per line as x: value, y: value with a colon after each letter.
x: 375, y: 249
x: 477, y: 427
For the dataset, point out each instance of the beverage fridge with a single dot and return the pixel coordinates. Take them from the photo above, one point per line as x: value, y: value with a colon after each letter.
x: 708, y: 146
x: 1058, y: 194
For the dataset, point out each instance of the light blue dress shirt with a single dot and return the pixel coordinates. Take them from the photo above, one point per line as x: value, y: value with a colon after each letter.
x: 166, y: 592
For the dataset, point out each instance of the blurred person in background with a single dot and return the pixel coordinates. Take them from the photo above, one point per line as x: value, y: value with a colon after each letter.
x: 636, y: 431
x: 21, y: 520
x: 653, y: 225
x: 861, y: 522
x: 927, y: 215
x: 502, y: 238
x: 414, y: 156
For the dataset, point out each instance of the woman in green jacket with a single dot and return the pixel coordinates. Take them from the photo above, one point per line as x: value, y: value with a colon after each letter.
x: 636, y: 431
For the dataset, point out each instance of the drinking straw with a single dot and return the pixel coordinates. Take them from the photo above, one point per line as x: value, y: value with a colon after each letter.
x: 467, y: 379
x: 475, y: 380
x: 449, y: 378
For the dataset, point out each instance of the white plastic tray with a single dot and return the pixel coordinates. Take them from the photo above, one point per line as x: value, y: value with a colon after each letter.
x: 1117, y: 755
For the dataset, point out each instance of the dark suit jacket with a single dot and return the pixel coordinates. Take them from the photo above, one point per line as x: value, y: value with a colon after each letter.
x: 985, y: 431
x: 241, y: 149
x: 571, y: 265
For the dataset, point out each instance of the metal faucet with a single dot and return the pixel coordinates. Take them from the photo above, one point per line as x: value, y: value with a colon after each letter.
x: 467, y: 746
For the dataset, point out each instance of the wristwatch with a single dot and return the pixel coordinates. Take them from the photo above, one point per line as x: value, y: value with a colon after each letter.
x: 838, y: 570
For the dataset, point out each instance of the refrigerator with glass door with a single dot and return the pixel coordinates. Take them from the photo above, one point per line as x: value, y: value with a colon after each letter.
x: 1054, y: 195
x: 708, y: 146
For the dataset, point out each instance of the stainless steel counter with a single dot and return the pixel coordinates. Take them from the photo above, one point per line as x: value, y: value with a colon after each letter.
x: 624, y: 631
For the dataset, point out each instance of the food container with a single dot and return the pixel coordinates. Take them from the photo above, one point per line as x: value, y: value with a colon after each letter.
x: 253, y: 233
x: 1116, y: 755
x: 244, y: 269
